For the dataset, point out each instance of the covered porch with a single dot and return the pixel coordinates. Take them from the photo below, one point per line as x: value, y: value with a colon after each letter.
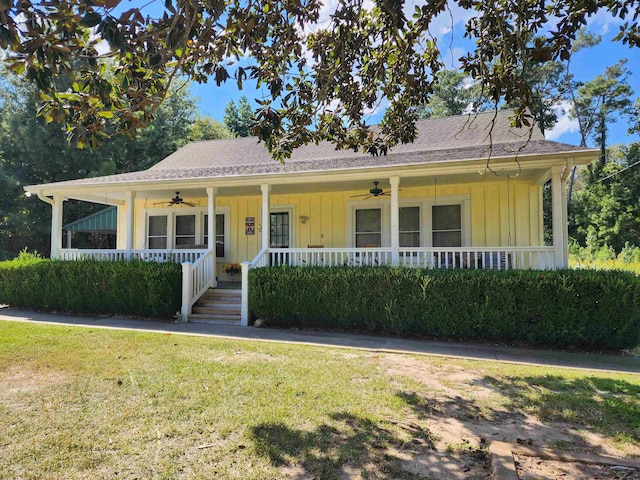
x: 423, y: 217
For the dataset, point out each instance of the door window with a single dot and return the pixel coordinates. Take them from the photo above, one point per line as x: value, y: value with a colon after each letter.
x: 219, y: 234
x: 279, y: 237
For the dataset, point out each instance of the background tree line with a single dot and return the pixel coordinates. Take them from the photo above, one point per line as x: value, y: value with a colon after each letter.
x: 33, y: 152
x: 604, y: 206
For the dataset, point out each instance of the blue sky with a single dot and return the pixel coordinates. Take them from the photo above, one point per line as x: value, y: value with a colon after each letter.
x: 586, y: 65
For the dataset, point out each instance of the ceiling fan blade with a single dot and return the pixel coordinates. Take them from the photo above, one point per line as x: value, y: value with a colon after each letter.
x: 361, y: 195
x: 162, y: 203
x: 190, y: 204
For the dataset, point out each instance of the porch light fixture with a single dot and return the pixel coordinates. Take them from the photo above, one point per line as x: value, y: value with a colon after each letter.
x: 304, y: 219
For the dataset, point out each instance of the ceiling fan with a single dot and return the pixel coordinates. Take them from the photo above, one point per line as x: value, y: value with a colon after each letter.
x: 177, y: 200
x: 374, y: 192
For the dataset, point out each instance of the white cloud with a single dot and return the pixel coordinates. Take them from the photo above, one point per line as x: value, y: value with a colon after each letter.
x: 564, y: 125
x: 602, y: 21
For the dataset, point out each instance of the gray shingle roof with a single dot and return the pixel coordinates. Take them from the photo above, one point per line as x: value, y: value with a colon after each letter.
x: 440, y: 140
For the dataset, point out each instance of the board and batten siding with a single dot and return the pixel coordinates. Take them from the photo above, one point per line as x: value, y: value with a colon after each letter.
x: 501, y: 213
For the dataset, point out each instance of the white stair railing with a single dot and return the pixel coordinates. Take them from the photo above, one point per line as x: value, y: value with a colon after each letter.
x: 197, y: 277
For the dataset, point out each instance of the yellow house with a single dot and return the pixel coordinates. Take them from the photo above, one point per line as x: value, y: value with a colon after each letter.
x: 429, y: 204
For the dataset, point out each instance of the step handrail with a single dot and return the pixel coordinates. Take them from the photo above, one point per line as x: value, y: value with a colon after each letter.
x: 197, y: 277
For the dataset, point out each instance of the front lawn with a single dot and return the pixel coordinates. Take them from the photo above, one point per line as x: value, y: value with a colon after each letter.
x: 91, y: 403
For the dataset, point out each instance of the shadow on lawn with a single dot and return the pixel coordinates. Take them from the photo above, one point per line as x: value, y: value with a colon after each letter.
x: 348, y: 445
x: 604, y: 405
x: 610, y: 407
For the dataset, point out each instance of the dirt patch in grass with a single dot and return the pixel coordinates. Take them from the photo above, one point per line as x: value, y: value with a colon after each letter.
x: 19, y: 380
x: 464, y: 409
x: 537, y: 468
x: 19, y: 385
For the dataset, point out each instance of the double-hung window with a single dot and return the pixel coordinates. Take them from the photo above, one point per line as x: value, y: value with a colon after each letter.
x: 368, y: 227
x: 185, y: 230
x: 158, y: 232
x: 446, y: 225
x: 409, y: 226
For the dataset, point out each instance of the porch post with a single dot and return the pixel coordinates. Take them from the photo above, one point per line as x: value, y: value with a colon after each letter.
x: 266, y: 216
x: 130, y: 197
x: 395, y: 221
x: 211, y: 230
x: 559, y: 224
x: 56, y: 225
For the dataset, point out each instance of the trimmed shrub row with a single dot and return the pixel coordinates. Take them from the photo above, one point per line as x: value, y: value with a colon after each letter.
x: 569, y: 308
x: 89, y: 286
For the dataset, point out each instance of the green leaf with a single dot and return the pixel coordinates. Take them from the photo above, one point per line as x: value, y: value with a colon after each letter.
x: 91, y: 19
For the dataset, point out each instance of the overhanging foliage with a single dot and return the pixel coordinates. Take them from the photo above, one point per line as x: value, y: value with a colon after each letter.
x: 322, y: 76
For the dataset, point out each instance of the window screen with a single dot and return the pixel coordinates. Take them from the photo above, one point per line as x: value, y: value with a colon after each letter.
x: 409, y: 226
x: 157, y: 232
x: 368, y: 228
x: 446, y: 227
x: 185, y: 230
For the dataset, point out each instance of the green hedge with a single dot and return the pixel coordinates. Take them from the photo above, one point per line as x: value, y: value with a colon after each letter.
x: 89, y: 286
x: 579, y: 308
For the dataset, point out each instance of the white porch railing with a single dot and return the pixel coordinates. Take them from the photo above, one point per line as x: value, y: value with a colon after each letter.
x: 474, y: 258
x: 197, y: 277
x: 329, y: 257
x: 149, y: 255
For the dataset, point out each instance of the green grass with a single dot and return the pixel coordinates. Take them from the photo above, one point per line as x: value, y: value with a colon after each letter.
x: 83, y: 403
x: 591, y: 264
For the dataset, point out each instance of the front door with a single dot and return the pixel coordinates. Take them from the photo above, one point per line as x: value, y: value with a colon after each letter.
x: 280, y: 233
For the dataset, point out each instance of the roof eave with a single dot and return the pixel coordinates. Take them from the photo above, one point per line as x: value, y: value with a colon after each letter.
x: 579, y: 157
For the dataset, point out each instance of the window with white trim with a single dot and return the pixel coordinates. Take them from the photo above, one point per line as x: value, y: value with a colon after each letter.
x: 368, y: 231
x: 446, y: 225
x: 185, y: 230
x: 157, y: 229
x: 220, y: 234
x: 409, y: 226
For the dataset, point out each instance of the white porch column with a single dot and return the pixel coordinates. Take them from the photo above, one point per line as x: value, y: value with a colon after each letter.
x: 211, y: 230
x: 559, y: 222
x: 130, y: 197
x: 56, y: 225
x: 266, y: 215
x: 395, y: 221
